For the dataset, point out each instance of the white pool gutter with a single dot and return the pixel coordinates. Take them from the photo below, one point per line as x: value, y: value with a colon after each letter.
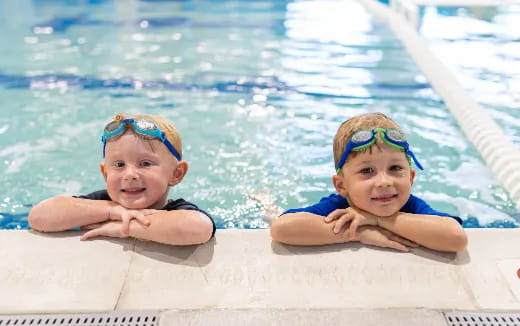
x: 242, y: 278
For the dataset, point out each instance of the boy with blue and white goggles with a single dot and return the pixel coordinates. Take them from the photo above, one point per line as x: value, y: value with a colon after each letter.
x: 364, y: 138
x: 138, y: 173
x: 143, y: 127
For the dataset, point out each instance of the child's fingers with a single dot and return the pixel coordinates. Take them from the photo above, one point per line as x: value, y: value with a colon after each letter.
x: 91, y: 226
x: 90, y: 234
x: 353, y: 228
x: 334, y: 215
x: 125, y: 225
x: 340, y: 223
x: 140, y: 217
x: 404, y: 241
x: 127, y: 218
x: 396, y: 245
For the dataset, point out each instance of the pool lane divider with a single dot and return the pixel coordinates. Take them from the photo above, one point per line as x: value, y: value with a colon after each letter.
x: 499, y: 153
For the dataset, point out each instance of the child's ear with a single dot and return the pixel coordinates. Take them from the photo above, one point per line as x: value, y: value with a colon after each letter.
x: 103, y: 170
x: 179, y: 173
x: 339, y: 184
x: 412, y: 176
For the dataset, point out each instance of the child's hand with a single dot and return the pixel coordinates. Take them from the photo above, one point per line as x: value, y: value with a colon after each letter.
x: 119, y: 213
x: 376, y: 236
x: 108, y: 229
x: 355, y: 216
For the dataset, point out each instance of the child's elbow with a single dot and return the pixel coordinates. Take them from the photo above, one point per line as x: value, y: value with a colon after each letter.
x: 459, y: 241
x: 202, y: 231
x: 42, y: 216
x: 36, y: 218
x: 206, y: 232
x: 455, y: 240
x: 280, y: 230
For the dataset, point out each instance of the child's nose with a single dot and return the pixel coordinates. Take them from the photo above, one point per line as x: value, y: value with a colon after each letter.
x: 130, y: 173
x: 383, y: 179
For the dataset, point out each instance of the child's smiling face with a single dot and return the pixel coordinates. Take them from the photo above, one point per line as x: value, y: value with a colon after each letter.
x: 378, y: 181
x: 139, y: 172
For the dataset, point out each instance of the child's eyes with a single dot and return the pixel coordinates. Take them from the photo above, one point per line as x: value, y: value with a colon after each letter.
x: 396, y: 168
x: 366, y: 171
x: 119, y: 164
x: 146, y: 163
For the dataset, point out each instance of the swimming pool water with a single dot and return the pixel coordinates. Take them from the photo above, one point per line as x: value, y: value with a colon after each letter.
x: 256, y: 88
x: 480, y: 45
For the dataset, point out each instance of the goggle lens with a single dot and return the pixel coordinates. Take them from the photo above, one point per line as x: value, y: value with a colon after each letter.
x: 111, y: 126
x: 361, y: 136
x: 146, y: 125
x: 396, y: 135
x: 145, y: 128
x: 365, y: 138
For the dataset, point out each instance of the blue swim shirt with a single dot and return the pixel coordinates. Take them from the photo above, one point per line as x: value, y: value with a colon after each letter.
x: 326, y: 205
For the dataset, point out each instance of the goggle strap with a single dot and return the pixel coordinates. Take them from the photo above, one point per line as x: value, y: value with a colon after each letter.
x: 349, y: 148
x: 402, y: 146
x: 172, y: 149
x: 364, y: 146
x: 415, y: 161
x: 156, y: 133
x: 405, y: 147
x: 393, y: 145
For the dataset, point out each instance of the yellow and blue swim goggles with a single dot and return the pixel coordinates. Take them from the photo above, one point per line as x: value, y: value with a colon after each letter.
x: 364, y: 138
x: 144, y: 127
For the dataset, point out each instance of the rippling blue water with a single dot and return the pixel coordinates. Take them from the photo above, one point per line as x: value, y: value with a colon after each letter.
x: 256, y: 88
x: 481, y: 46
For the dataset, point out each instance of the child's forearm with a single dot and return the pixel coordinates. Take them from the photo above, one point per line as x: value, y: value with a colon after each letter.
x: 304, y: 229
x: 434, y: 232
x: 64, y: 213
x: 179, y: 227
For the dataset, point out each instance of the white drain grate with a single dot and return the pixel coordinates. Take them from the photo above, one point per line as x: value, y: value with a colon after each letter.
x: 481, y: 319
x: 106, y: 319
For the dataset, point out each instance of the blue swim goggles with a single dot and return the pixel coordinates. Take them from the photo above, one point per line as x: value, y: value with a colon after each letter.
x: 143, y: 127
x: 364, y: 138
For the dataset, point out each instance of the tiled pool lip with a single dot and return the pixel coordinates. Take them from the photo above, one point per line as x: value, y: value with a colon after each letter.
x: 244, y: 270
x: 500, y: 154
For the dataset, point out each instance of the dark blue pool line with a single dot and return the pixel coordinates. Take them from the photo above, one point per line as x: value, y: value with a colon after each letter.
x: 62, y: 24
x: 272, y: 84
x: 19, y: 221
x: 13, y: 221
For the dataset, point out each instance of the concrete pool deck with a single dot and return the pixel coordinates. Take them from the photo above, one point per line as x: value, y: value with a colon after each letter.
x: 243, y: 276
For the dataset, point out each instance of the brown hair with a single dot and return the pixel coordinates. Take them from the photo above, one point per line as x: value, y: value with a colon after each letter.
x: 169, y: 130
x: 349, y: 127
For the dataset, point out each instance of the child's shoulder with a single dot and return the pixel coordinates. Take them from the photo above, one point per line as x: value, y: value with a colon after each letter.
x: 324, y: 207
x: 180, y: 203
x: 96, y: 195
x: 416, y: 205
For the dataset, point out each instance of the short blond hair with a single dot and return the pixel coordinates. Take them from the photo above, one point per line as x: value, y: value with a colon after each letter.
x: 349, y: 127
x: 166, y: 126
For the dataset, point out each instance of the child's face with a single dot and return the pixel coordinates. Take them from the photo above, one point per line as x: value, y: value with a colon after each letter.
x: 377, y: 181
x: 139, y: 172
